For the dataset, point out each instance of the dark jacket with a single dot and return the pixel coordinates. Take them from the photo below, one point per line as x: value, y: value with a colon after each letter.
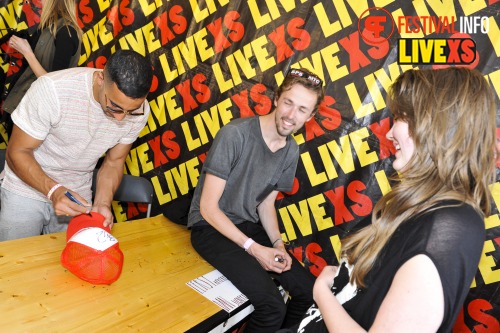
x: 44, y: 52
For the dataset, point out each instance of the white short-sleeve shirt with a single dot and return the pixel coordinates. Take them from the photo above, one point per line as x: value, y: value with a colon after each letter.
x: 60, y: 110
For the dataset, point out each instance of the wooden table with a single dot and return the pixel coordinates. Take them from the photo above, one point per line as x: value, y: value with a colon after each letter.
x: 38, y: 295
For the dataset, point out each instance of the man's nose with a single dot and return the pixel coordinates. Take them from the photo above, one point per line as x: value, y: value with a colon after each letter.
x: 293, y: 111
x: 119, y: 116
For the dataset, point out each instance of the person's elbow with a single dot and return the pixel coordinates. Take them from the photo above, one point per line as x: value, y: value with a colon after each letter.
x: 207, y: 209
x: 204, y: 209
x: 14, y: 155
x: 8, y: 157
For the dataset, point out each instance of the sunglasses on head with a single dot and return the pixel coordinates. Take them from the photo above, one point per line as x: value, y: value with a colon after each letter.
x: 315, y: 80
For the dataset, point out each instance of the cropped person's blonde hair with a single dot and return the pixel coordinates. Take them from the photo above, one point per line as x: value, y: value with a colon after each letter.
x: 451, y: 117
x: 53, y: 10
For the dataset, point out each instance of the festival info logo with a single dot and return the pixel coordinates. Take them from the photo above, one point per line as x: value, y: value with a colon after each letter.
x: 377, y: 25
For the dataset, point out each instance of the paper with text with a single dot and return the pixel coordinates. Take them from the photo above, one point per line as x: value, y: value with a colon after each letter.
x: 218, y: 289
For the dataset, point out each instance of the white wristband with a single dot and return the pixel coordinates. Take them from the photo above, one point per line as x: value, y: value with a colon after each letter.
x: 248, y: 243
x: 52, y: 190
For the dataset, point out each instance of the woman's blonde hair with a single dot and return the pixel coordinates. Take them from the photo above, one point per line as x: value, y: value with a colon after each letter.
x: 53, y: 10
x: 451, y: 117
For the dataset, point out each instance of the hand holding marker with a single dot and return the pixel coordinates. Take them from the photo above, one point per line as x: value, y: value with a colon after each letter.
x: 75, y: 200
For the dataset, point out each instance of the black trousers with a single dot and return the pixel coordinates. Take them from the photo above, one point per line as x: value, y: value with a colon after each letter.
x: 245, y: 272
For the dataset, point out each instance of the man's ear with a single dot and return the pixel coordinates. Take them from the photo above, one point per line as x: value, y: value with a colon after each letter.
x: 100, y: 78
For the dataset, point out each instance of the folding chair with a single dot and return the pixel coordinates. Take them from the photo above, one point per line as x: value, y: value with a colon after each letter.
x: 131, y: 189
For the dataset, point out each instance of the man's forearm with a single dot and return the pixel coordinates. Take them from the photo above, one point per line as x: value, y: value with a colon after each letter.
x: 219, y: 220
x: 108, y: 180
x: 268, y: 217
x: 110, y: 174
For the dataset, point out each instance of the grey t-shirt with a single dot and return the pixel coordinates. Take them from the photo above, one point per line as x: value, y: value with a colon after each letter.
x: 240, y: 156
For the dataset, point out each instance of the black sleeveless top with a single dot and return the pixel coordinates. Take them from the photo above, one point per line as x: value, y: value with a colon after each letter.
x: 452, y: 237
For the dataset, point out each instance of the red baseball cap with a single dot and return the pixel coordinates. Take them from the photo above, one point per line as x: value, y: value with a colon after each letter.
x: 91, y: 252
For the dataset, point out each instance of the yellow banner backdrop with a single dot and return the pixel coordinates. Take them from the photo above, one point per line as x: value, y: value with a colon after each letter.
x: 217, y: 60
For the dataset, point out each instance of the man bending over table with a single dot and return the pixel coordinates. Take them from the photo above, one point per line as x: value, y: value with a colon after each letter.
x: 66, y: 121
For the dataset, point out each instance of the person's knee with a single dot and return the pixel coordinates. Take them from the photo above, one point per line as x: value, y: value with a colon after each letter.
x: 270, y: 308
x: 20, y: 217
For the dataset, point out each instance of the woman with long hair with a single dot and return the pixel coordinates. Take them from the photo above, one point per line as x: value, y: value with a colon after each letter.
x: 411, y: 268
x: 55, y: 46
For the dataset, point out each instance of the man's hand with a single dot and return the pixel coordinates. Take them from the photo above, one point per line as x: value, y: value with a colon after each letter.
x: 63, y: 205
x: 105, y: 211
x: 268, y: 258
x: 287, y: 259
